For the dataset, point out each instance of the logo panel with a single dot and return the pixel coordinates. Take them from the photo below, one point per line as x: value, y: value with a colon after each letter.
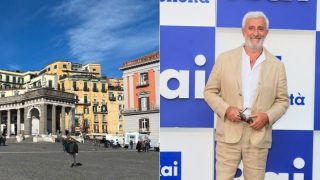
x: 187, y: 56
x: 170, y: 165
x: 282, y: 14
x: 317, y: 85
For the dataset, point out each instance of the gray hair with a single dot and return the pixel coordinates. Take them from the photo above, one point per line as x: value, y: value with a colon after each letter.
x: 255, y: 14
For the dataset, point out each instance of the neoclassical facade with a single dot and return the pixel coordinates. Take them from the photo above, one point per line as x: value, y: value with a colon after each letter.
x: 37, y: 112
x: 141, y: 94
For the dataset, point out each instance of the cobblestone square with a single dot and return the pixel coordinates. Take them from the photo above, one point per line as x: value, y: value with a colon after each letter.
x: 47, y: 161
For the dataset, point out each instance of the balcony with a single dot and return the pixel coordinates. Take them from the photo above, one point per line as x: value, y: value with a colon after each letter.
x: 133, y: 111
x: 103, y: 90
x: 112, y: 98
x: 86, y: 89
x: 84, y: 103
x: 95, y: 90
x: 144, y: 130
x: 142, y: 84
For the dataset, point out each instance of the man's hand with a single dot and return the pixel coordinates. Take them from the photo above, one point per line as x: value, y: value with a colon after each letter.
x: 260, y: 120
x: 233, y: 114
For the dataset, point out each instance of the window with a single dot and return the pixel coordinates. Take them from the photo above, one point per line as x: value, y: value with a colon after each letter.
x: 0, y: 77
x: 74, y: 85
x: 64, y: 66
x: 7, y: 78
x: 94, y: 108
x: 22, y: 80
x: 120, y: 127
x: 14, y: 80
x: 86, y: 110
x: 144, y: 125
x: 104, y: 108
x: 144, y: 103
x: 48, y: 69
x: 104, y: 119
x: 120, y: 98
x: 143, y: 78
x: 50, y: 84
x: 62, y: 86
x: 93, y: 69
x: 95, y: 89
x: 111, y: 96
x: 3, y: 94
x: 96, y: 118
x: 85, y: 86
x: 59, y: 87
x: 103, y: 88
x: 104, y: 128
x: 55, y: 66
x: 96, y: 128
x: 85, y: 99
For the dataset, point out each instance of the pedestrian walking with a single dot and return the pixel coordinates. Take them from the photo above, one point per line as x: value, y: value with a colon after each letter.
x: 131, y: 144
x: 71, y: 147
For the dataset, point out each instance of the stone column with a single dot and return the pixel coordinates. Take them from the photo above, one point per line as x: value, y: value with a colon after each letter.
x: 157, y: 93
x: 131, y: 92
x: 43, y: 119
x: 27, y: 122
x: 8, y: 123
x: 125, y: 91
x: 18, y: 122
x: 62, y: 120
x: 71, y: 120
x: 54, y: 129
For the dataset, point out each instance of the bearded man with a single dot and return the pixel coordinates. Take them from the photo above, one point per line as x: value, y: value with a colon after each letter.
x: 247, y: 89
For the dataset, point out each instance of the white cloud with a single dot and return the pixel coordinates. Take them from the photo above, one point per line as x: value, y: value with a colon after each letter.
x: 13, y: 67
x: 104, y: 27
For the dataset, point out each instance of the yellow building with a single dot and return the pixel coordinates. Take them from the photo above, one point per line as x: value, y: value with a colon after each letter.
x: 97, y: 109
x: 116, y: 105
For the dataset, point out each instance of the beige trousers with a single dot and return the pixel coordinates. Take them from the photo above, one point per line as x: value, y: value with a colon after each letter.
x: 228, y: 157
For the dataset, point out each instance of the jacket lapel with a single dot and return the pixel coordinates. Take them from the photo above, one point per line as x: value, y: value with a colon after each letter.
x: 262, y: 77
x: 237, y: 67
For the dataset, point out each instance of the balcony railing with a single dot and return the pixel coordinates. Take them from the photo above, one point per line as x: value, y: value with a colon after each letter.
x: 144, y: 130
x: 142, y: 84
x: 103, y: 90
x: 85, y: 89
x: 152, y: 109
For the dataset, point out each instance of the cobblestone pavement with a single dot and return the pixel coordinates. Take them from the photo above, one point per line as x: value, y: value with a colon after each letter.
x: 46, y: 161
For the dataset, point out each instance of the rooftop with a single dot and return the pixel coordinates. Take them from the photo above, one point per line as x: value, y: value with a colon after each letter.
x: 141, y: 60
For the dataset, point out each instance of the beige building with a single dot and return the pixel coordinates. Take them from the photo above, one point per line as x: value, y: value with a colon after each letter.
x: 97, y: 111
x: 96, y: 108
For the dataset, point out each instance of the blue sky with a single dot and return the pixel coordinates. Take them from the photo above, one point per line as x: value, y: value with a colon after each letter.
x: 34, y: 33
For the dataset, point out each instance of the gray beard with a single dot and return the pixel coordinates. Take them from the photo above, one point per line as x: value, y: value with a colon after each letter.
x: 254, y: 47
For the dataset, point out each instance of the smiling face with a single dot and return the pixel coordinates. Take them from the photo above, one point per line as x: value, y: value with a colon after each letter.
x: 254, y: 32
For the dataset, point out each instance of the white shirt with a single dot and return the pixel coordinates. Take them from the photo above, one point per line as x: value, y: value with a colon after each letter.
x: 250, y: 78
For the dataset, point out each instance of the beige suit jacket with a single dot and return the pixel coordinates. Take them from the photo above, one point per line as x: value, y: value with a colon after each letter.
x: 223, y: 89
